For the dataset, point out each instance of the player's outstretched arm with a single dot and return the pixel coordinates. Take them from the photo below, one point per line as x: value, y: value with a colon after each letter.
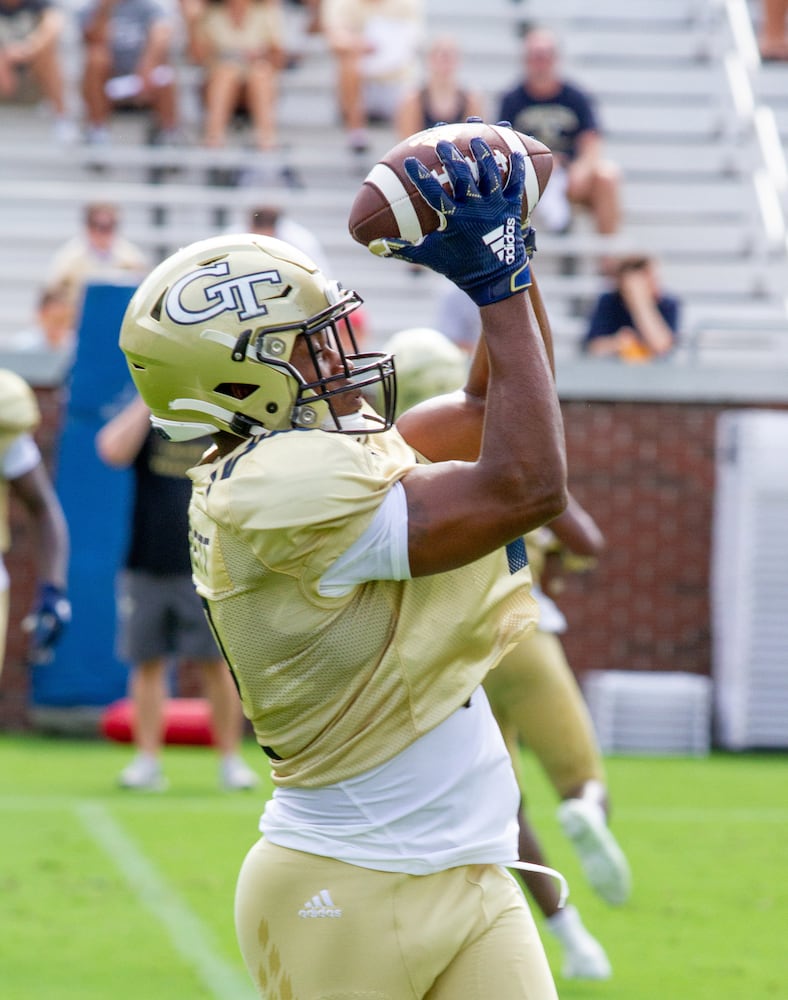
x: 515, y: 480
x: 51, y: 610
x: 461, y: 510
x: 450, y: 426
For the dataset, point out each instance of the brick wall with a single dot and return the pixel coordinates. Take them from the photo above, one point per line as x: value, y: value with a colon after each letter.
x: 645, y: 471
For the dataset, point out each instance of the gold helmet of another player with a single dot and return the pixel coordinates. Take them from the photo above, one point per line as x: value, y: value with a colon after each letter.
x: 209, y: 334
x: 428, y: 364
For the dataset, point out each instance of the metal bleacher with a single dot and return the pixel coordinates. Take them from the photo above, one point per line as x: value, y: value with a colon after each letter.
x: 675, y: 86
x: 686, y: 114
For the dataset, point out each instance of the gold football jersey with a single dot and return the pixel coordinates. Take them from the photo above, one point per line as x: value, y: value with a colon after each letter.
x: 336, y: 685
x: 19, y: 414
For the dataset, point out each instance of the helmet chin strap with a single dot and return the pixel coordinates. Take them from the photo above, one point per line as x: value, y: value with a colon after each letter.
x: 184, y: 430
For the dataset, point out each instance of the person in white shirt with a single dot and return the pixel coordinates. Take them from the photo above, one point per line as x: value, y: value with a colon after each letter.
x: 99, y: 253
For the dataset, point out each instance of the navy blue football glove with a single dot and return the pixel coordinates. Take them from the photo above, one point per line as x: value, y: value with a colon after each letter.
x: 46, y: 622
x: 479, y: 244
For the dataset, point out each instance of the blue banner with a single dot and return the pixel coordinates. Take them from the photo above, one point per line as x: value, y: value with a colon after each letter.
x: 96, y: 500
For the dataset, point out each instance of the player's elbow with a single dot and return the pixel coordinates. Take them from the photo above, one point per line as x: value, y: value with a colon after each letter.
x: 552, y: 480
x: 548, y: 503
x: 537, y: 497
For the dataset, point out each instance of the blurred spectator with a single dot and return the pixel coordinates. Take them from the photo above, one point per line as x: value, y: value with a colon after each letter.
x: 636, y: 321
x: 53, y: 330
x: 127, y: 64
x: 441, y: 98
x: 24, y: 475
x: 240, y: 45
x: 563, y: 117
x: 773, y: 34
x: 376, y: 45
x: 313, y: 25
x: 270, y: 220
x: 99, y: 253
x: 30, y: 32
x: 160, y: 615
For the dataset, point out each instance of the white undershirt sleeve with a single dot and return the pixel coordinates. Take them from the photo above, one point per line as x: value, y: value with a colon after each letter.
x: 381, y: 553
x: 21, y: 456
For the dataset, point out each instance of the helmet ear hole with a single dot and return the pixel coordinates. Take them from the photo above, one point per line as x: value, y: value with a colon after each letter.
x: 236, y: 390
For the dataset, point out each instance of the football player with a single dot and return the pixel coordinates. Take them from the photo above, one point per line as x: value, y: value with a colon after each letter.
x: 360, y: 595
x: 533, y: 692
x: 538, y: 704
x: 23, y: 474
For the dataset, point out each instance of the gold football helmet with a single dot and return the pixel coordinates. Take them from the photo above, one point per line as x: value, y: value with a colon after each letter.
x: 428, y: 364
x: 209, y: 334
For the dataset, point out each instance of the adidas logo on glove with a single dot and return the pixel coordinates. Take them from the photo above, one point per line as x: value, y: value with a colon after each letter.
x: 502, y: 241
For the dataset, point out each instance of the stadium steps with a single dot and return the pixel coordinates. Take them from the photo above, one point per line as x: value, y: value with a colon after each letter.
x: 675, y: 120
x: 657, y: 70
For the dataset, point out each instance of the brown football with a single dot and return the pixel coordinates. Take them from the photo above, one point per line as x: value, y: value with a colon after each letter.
x: 388, y: 205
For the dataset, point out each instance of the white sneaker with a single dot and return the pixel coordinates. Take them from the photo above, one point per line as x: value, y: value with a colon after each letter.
x: 602, y: 859
x: 235, y: 776
x: 143, y: 774
x: 65, y: 131
x: 584, y: 956
x: 97, y: 135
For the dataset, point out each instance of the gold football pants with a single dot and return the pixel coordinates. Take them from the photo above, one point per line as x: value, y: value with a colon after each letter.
x: 312, y: 928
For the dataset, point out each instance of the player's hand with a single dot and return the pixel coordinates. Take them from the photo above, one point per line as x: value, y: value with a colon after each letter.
x: 46, y: 622
x: 479, y: 244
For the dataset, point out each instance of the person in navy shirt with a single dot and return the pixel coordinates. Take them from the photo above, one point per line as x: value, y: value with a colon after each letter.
x: 562, y: 115
x: 637, y: 320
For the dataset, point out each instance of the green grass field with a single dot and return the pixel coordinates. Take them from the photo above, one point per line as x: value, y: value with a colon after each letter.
x: 107, y: 895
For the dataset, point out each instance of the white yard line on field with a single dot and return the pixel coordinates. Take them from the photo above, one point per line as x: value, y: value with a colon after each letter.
x: 189, y: 936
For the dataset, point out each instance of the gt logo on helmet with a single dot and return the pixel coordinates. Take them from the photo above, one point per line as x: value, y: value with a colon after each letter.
x: 236, y: 294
